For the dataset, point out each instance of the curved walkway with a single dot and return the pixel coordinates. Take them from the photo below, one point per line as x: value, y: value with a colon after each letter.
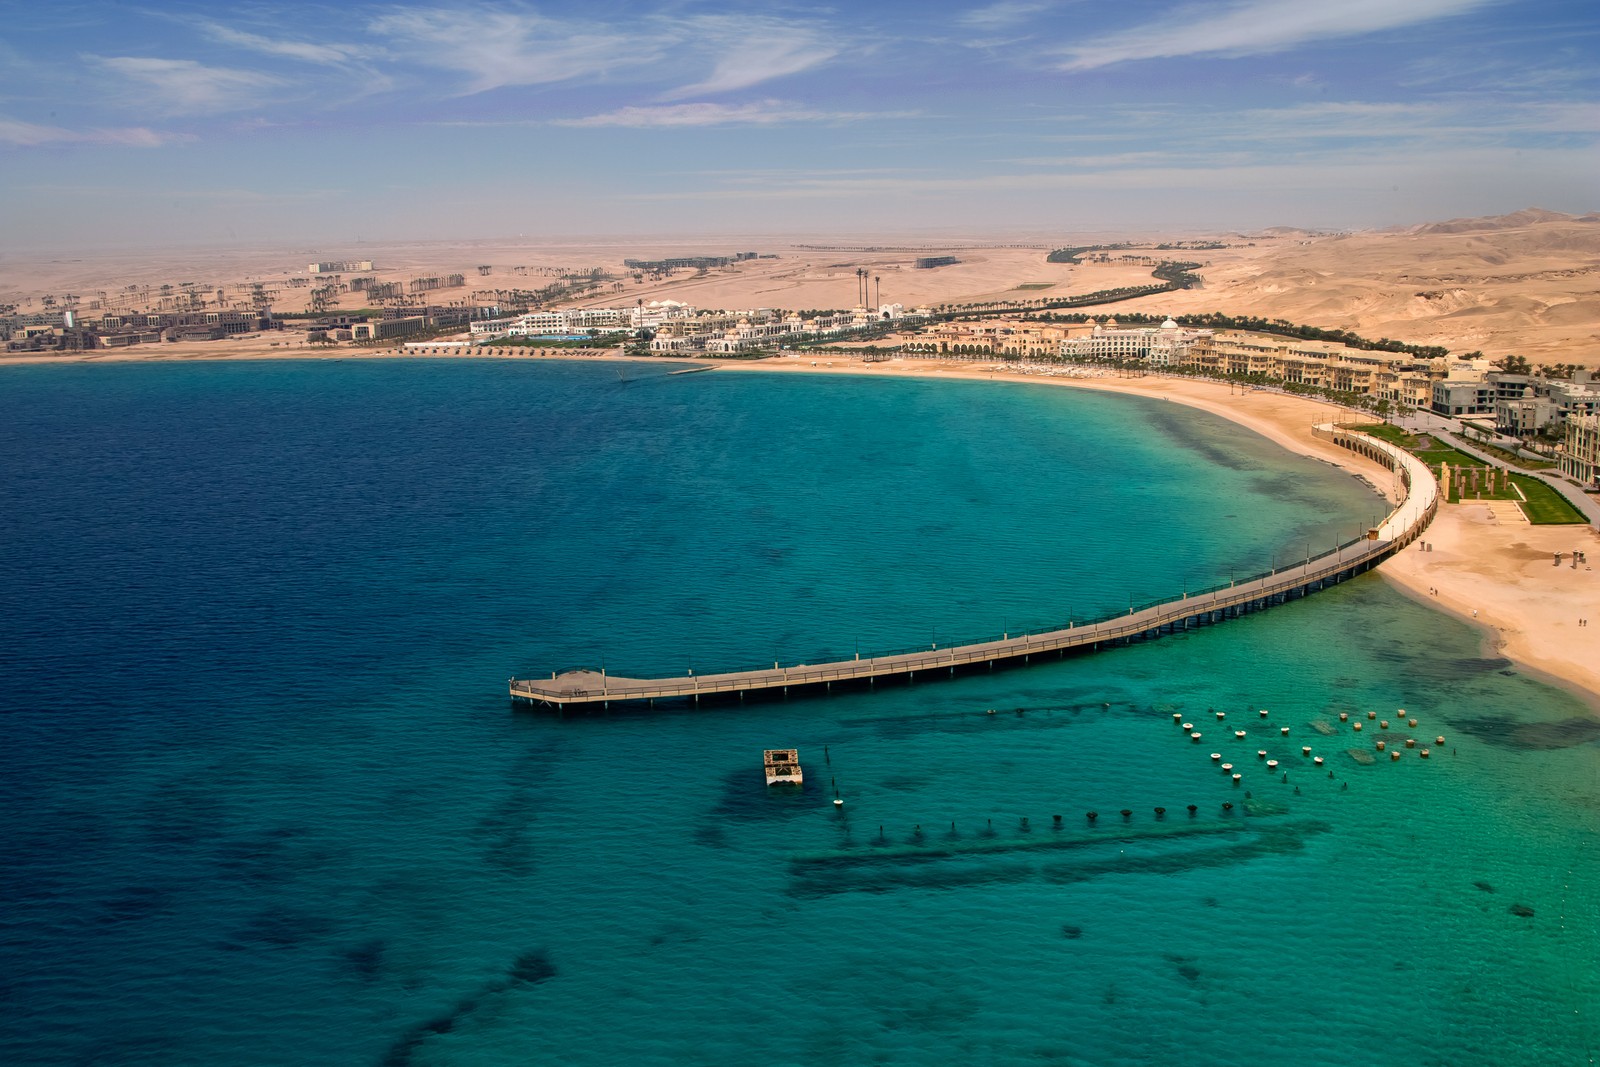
x: 1418, y: 504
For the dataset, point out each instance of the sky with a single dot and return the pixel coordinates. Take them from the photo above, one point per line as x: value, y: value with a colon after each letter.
x: 169, y: 123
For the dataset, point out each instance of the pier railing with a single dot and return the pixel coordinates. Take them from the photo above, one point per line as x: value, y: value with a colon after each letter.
x: 1417, y: 505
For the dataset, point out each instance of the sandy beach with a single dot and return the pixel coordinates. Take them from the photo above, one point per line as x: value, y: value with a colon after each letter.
x: 1488, y: 565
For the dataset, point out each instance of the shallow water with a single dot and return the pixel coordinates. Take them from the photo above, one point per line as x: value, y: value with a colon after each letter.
x: 267, y: 803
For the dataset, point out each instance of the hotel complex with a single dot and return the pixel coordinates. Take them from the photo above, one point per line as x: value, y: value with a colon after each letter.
x: 1516, y: 404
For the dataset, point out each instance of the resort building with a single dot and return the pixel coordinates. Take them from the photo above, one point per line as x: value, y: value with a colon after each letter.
x: 1525, y: 415
x: 1580, y: 457
x: 1168, y: 345
x: 384, y: 329
x: 1463, y: 396
x: 581, y: 320
x: 762, y: 329
x: 1401, y: 379
x: 1525, y: 404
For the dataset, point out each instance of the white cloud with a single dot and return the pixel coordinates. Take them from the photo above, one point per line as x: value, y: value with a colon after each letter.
x: 184, y: 87
x: 761, y: 113
x: 29, y: 134
x: 1253, y: 27
x: 307, y: 51
x: 753, y: 50
x: 1003, y: 14
x: 496, y: 48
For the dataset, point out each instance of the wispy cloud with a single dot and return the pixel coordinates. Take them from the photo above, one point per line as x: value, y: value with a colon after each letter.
x: 1003, y: 14
x: 184, y: 87
x: 1224, y: 176
x: 754, y: 50
x: 1329, y: 131
x: 1255, y: 27
x: 498, y: 48
x: 760, y: 113
x: 307, y: 51
x: 29, y: 135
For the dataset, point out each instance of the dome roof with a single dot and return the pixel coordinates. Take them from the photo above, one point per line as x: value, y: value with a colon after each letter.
x: 1169, y: 324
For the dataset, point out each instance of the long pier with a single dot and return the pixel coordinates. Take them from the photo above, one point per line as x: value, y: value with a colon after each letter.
x: 1419, y: 502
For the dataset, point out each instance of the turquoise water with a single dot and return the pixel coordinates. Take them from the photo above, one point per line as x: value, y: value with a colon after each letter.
x: 266, y: 802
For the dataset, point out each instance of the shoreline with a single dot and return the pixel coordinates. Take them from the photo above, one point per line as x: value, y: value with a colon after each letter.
x: 1491, y: 569
x: 1488, y: 567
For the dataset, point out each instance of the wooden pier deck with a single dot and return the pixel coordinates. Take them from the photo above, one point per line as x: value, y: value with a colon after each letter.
x: 1419, y: 503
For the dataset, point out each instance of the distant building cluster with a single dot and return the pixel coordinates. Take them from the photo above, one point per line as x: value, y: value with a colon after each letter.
x: 1515, y: 404
x: 1525, y: 404
x: 734, y: 332
x: 1167, y: 345
x: 397, y: 322
x: 581, y: 320
x: 68, y: 331
x: 1520, y: 404
x: 659, y: 266
x: 341, y: 266
x: 1397, y: 377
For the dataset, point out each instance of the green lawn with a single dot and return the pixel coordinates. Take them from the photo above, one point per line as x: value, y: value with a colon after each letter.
x: 1037, y: 285
x: 1545, y: 506
x: 1511, y: 459
x: 1394, y: 435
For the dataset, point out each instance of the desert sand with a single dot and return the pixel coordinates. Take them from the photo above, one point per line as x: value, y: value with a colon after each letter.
x: 1526, y: 283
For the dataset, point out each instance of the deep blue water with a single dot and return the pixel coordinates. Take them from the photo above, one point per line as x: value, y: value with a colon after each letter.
x: 265, y: 801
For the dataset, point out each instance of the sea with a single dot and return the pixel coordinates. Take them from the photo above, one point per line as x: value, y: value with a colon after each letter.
x: 264, y: 799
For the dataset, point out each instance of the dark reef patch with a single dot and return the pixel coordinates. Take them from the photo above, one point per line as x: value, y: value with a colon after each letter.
x: 1505, y: 732
x: 135, y: 903
x: 529, y: 968
x: 280, y: 928
x: 1185, y: 966
x: 364, y: 961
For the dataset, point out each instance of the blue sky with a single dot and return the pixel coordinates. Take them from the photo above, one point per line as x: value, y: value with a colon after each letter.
x: 174, y: 123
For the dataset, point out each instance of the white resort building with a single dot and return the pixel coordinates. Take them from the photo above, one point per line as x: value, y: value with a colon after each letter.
x: 1167, y: 345
x: 581, y: 320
